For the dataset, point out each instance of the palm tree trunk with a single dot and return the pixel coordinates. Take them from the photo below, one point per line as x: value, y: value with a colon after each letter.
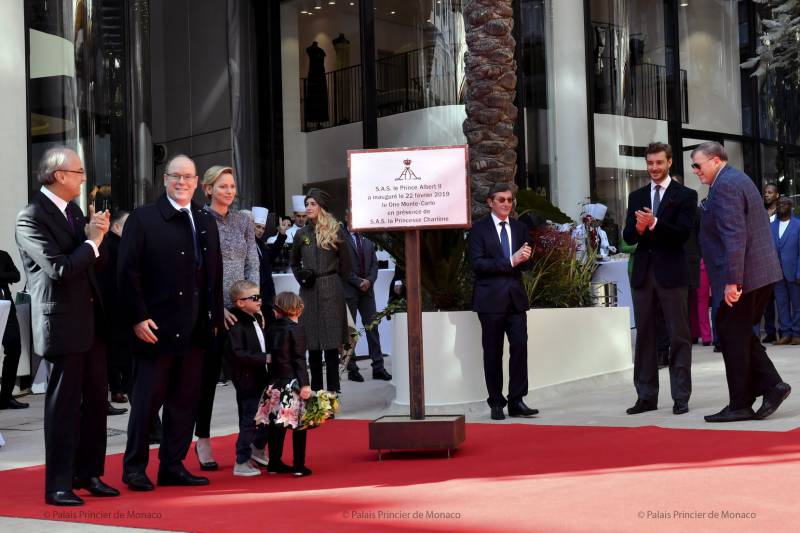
x: 491, y: 80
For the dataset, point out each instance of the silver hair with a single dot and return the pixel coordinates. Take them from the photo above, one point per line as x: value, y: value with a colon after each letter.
x: 52, y: 161
x: 711, y: 149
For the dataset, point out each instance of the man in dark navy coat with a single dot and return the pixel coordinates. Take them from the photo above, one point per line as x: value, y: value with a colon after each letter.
x: 170, y: 284
x: 498, y: 252
x: 59, y: 252
x: 659, y: 220
x: 743, y: 267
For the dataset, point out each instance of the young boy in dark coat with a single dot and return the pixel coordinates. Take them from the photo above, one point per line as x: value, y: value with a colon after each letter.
x: 246, y: 351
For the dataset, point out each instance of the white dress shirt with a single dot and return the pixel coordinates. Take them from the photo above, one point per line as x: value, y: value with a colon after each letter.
x: 62, y: 204
x: 498, y: 228
x: 782, y: 225
x: 664, y: 184
x: 188, y: 207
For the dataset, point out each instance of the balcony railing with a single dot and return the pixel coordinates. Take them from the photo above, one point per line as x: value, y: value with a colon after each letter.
x: 418, y: 79
x: 641, y: 92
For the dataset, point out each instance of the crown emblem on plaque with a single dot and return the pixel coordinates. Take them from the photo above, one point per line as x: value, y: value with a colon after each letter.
x: 407, y: 173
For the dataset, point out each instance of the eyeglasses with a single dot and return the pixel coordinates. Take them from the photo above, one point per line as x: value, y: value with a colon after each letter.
x: 252, y: 298
x: 503, y: 200
x: 697, y: 166
x: 81, y: 171
x: 179, y: 177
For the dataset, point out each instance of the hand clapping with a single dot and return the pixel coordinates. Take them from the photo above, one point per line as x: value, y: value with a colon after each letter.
x: 98, y: 225
x: 521, y: 255
x: 644, y: 219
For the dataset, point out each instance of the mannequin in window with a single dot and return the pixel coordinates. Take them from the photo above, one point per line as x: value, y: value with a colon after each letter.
x: 342, y: 47
x: 316, y: 104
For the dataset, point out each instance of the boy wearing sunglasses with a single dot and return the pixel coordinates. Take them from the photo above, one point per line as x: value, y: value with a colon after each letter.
x: 246, y: 352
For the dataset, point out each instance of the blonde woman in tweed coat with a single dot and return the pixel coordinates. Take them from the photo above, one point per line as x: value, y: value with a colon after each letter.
x: 317, y: 247
x: 239, y: 261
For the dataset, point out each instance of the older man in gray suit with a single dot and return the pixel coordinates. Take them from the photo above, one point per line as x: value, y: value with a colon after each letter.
x: 360, y: 295
x: 742, y: 266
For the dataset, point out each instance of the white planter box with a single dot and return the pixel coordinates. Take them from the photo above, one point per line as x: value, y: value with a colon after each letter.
x: 563, y: 345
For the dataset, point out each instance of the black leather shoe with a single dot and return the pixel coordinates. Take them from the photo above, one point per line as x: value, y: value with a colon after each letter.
x: 13, y: 404
x: 680, y: 408
x: 113, y: 411
x: 301, y: 471
x: 772, y: 400
x: 179, y: 476
x: 355, y: 375
x: 381, y: 374
x: 95, y: 486
x: 641, y: 406
x: 769, y: 338
x: 138, y: 481
x: 518, y: 409
x: 63, y: 497
x: 497, y: 413
x: 717, y: 348
x: 728, y: 415
x: 278, y: 467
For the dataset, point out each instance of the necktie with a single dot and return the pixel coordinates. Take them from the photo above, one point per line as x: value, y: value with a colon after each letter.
x: 657, y: 199
x: 361, y: 260
x: 188, y: 216
x: 504, y: 244
x: 70, y: 220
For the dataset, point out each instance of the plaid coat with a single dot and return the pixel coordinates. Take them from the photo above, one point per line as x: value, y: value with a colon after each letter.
x: 735, y: 235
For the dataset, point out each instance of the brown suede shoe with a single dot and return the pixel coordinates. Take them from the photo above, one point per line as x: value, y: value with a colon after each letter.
x: 783, y: 341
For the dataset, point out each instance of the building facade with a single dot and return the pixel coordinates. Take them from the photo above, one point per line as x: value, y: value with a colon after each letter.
x: 282, y: 89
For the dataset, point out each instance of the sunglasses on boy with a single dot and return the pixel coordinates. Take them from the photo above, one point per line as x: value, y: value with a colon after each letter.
x: 253, y: 298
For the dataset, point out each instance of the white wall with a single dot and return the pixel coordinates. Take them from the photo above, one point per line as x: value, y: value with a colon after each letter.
x: 570, y: 180
x: 611, y: 131
x: 14, y: 144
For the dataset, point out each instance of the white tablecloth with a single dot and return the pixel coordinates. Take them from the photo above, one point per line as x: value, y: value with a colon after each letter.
x: 286, y: 282
x: 616, y: 270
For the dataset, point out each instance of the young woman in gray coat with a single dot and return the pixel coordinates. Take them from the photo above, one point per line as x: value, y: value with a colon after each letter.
x: 321, y: 267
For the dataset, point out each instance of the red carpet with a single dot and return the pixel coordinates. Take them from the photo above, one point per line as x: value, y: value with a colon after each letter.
x: 505, y: 478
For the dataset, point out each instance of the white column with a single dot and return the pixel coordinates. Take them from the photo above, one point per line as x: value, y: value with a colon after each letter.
x: 14, y: 146
x: 570, y: 127
x: 14, y: 126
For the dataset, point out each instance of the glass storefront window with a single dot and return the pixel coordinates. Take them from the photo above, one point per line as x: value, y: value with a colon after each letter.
x: 77, y: 90
x: 321, y: 73
x: 629, y: 79
x: 711, y: 56
x: 419, y: 72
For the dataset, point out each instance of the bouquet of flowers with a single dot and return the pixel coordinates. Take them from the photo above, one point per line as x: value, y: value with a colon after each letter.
x: 282, y: 405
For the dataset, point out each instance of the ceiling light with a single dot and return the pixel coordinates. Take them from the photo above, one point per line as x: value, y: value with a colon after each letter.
x: 331, y: 2
x: 684, y: 3
x: 391, y: 13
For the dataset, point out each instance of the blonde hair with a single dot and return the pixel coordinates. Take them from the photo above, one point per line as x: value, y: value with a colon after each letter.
x: 240, y: 287
x: 288, y: 303
x: 213, y: 174
x: 326, y: 230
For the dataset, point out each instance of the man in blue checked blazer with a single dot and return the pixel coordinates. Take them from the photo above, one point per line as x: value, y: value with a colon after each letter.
x: 742, y: 266
x: 786, y: 234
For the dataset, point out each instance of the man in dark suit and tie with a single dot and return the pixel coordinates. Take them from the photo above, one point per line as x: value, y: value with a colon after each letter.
x: 500, y: 300
x: 659, y: 220
x: 742, y: 266
x: 59, y: 257
x: 360, y: 296
x: 786, y: 234
x: 170, y: 283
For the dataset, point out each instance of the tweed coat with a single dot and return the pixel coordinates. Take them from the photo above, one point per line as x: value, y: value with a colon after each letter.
x: 325, y: 317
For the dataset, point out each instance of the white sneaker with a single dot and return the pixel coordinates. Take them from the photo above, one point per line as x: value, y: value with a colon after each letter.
x: 247, y: 469
x: 259, y: 456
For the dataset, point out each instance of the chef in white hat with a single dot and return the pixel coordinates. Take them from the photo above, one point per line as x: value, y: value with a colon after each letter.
x: 299, y: 208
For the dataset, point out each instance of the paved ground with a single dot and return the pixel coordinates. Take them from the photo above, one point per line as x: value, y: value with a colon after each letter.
x: 594, y: 402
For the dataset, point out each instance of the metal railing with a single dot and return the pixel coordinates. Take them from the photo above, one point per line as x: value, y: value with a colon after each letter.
x: 425, y: 77
x: 641, y: 91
